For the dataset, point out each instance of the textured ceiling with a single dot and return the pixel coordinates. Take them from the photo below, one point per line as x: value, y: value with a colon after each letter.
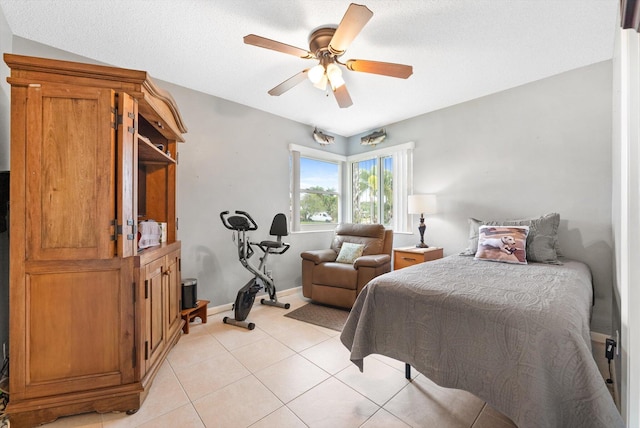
x: 459, y: 49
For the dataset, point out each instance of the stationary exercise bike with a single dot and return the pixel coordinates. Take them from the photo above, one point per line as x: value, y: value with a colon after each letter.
x: 241, y: 223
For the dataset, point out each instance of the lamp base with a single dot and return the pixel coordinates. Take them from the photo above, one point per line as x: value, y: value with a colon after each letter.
x: 421, y: 229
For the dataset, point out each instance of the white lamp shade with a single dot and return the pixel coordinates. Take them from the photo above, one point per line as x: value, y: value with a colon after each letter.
x: 422, y: 204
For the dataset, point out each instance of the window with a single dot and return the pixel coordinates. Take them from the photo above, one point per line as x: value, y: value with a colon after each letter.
x: 316, y: 189
x: 319, y: 195
x: 380, y: 184
x: 373, y: 189
x: 372, y: 184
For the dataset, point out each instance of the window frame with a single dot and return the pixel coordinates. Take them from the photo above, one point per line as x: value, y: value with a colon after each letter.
x: 402, y: 155
x: 295, y: 153
x: 402, y: 179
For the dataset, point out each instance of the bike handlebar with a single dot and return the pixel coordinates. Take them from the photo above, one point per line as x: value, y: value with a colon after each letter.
x: 242, y: 221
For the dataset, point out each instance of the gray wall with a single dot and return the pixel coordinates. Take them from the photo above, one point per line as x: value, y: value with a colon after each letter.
x: 538, y: 148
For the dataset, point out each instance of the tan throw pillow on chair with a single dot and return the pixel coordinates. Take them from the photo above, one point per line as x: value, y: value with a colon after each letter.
x: 349, y: 252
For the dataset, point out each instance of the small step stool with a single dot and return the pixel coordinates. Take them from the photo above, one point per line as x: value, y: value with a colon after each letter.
x: 189, y: 314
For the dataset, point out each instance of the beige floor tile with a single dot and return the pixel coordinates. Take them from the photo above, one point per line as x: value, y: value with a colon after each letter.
x: 261, y: 354
x: 379, y: 382
x: 273, y: 322
x: 281, y: 418
x: 231, y: 336
x: 332, y: 404
x: 166, y: 394
x: 422, y: 403
x: 291, y: 377
x: 260, y: 311
x: 237, y: 405
x: 183, y: 417
x: 191, y: 350
x: 327, y: 331
x: 210, y: 375
x: 330, y: 355
x: 196, y: 330
x: 384, y: 419
x: 301, y: 336
x: 491, y: 418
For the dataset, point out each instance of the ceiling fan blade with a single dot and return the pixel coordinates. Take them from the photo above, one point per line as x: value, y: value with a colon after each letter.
x: 342, y: 96
x: 376, y: 67
x: 352, y: 23
x: 263, y: 42
x: 289, y: 83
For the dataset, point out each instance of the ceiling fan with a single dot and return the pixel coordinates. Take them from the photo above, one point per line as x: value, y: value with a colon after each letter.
x: 326, y: 45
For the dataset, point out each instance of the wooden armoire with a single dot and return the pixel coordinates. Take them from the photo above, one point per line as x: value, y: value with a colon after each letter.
x: 93, y: 153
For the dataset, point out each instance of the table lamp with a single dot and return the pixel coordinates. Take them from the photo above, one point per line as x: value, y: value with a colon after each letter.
x: 422, y: 204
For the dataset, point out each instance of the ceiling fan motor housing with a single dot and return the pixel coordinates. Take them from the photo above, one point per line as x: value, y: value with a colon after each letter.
x: 319, y: 41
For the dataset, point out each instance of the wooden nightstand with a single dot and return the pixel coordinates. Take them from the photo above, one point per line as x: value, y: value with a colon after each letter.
x: 408, y: 256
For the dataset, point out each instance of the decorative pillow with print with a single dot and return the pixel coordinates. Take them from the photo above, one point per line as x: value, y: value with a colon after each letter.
x: 349, y: 252
x: 542, y: 241
x: 506, y: 244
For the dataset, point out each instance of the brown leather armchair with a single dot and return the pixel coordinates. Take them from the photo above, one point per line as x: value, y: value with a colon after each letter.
x: 338, y: 284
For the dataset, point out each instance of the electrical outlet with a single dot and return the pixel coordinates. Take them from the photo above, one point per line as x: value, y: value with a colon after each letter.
x: 609, y: 348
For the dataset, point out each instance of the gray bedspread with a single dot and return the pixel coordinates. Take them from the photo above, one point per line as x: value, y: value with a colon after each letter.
x: 517, y: 336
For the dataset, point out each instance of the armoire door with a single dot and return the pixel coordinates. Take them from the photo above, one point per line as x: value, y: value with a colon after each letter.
x: 70, y: 161
x: 127, y: 172
x: 154, y: 308
x: 79, y: 329
x: 174, y: 292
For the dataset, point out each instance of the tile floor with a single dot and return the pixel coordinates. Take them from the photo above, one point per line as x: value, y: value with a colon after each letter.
x: 288, y: 374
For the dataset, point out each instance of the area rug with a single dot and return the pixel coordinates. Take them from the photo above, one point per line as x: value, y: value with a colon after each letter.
x: 324, y: 316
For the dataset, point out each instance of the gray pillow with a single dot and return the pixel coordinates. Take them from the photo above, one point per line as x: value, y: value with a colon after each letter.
x: 542, y: 242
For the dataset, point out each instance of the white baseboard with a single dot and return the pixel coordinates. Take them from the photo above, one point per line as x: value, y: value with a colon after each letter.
x: 227, y: 307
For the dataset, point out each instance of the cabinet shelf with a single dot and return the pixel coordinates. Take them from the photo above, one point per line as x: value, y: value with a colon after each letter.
x: 148, y: 153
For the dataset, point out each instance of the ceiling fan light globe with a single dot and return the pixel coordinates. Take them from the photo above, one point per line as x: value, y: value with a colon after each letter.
x: 335, y: 76
x: 336, y: 82
x: 333, y: 70
x: 316, y: 73
x: 322, y: 84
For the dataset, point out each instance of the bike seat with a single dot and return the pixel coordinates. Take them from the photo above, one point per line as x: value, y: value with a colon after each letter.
x: 272, y: 244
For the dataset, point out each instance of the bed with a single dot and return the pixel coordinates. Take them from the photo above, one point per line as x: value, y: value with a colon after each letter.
x: 515, y: 335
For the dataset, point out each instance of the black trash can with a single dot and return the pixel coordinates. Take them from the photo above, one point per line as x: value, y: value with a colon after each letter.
x: 189, y: 293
